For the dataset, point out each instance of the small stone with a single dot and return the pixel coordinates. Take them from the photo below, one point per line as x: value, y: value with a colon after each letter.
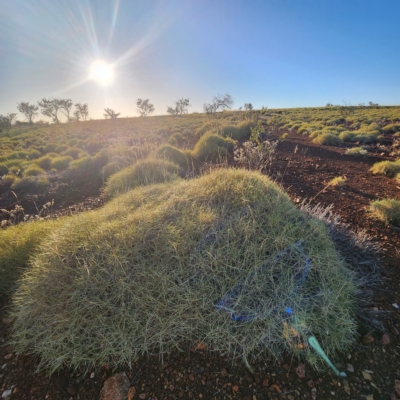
x: 395, y: 305
x: 131, y: 393
x: 191, y: 377
x: 92, y: 375
x: 235, y: 388
x: 224, y: 372
x: 366, y: 375
x: 310, y: 383
x: 290, y: 397
x: 115, y: 387
x: 301, y: 371
x: 8, y: 356
x: 346, y: 386
x: 385, y: 339
x: 350, y: 368
x: 6, y: 394
x: 314, y: 393
x: 142, y: 396
x: 265, y: 382
x: 397, y: 387
x: 368, y: 338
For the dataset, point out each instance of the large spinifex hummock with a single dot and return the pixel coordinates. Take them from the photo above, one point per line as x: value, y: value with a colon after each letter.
x: 144, y: 275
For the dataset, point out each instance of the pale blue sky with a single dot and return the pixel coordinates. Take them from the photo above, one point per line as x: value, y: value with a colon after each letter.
x: 276, y: 53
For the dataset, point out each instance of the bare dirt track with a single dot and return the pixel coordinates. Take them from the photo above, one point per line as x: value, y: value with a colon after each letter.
x: 372, y: 366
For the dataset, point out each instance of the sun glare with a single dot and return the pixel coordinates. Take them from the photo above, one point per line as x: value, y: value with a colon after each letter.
x: 101, y: 72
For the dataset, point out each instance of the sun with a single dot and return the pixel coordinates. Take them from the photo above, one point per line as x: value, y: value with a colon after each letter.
x: 102, y: 72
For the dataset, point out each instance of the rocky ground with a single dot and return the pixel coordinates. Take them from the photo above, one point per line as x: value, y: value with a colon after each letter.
x: 372, y: 365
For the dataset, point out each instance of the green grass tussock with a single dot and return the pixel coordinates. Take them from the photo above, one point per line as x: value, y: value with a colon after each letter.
x: 143, y: 274
x: 387, y: 210
x: 31, y: 184
x: 238, y: 132
x: 34, y: 170
x: 357, y: 152
x: 389, y: 168
x: 60, y: 163
x: 144, y: 172
x: 17, y: 245
x: 171, y: 153
x: 211, y: 146
x: 327, y: 139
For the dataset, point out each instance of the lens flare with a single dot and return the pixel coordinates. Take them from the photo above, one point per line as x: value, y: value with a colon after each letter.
x: 102, y: 72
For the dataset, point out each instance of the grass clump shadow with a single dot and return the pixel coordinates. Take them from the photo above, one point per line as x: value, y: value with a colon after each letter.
x: 17, y: 245
x: 143, y: 275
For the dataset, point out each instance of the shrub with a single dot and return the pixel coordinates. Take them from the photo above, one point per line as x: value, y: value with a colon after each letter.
x: 357, y: 152
x: 327, y: 139
x: 31, y: 184
x: 17, y: 245
x: 387, y: 210
x: 33, y: 170
x: 212, y: 146
x: 60, y: 163
x: 389, y: 168
x: 144, y: 172
x: 144, y: 274
x: 173, y: 154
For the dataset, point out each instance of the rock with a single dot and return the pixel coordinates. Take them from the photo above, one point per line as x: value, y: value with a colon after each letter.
x: 235, y: 388
x: 310, y: 383
x: 350, y: 368
x: 346, y: 386
x: 6, y: 394
x: 265, y: 382
x: 142, y: 396
x: 131, y: 393
x: 314, y: 393
x: 397, y: 387
x: 301, y: 371
x: 115, y: 387
x: 368, y: 338
x: 224, y: 372
x: 366, y: 375
x: 385, y: 339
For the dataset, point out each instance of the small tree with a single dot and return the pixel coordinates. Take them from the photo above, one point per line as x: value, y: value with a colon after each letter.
x: 7, y: 120
x: 219, y: 103
x: 29, y: 110
x: 65, y: 107
x: 248, y: 106
x: 181, y: 107
x: 81, y: 111
x: 109, y: 113
x: 144, y: 107
x: 50, y: 108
